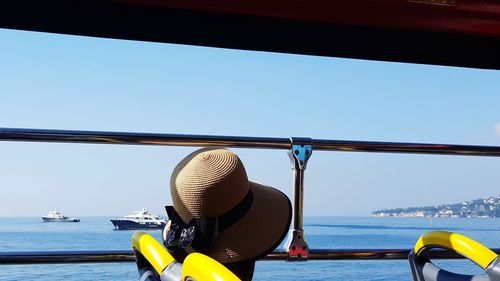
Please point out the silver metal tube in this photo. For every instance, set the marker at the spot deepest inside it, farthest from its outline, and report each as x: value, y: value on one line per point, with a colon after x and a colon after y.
x: 299, y: 155
x: 44, y: 257
x: 64, y: 136
x: 298, y: 199
x: 365, y: 254
x: 412, y: 148
x: 41, y: 257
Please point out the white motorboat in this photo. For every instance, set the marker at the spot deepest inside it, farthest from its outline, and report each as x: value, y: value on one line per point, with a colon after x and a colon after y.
x: 139, y: 220
x: 56, y: 216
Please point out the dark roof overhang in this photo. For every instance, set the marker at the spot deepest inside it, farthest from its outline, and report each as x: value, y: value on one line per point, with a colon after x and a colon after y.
x: 443, y: 32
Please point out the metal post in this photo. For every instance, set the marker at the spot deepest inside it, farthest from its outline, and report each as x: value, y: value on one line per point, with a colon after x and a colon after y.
x: 299, y: 154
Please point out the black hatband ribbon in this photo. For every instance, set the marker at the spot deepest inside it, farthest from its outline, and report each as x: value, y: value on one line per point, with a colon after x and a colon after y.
x: 200, y: 233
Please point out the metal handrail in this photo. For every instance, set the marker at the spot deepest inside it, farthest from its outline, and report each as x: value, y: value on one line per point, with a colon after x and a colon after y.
x: 119, y: 256
x: 70, y: 136
x: 95, y: 137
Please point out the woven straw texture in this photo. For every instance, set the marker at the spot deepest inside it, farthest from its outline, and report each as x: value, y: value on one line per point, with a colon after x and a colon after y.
x: 211, y: 181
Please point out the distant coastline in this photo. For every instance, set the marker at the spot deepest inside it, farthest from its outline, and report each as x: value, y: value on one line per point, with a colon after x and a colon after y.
x: 479, y: 208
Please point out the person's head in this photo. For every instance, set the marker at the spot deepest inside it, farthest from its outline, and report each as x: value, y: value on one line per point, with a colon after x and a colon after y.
x: 217, y: 211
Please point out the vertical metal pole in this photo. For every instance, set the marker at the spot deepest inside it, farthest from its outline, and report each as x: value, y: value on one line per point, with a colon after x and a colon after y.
x: 299, y: 155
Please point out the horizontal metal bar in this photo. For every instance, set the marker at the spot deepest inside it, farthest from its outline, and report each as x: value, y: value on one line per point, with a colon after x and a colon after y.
x: 41, y: 135
x: 413, y: 148
x: 42, y: 257
x: 46, y: 257
x: 366, y: 254
x: 65, y: 136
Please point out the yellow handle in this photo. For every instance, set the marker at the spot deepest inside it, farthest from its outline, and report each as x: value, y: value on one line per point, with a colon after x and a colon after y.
x: 461, y: 244
x: 152, y: 250
x: 201, y: 267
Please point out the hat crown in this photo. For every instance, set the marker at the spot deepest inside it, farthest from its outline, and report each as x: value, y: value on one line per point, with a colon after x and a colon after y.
x: 208, y: 183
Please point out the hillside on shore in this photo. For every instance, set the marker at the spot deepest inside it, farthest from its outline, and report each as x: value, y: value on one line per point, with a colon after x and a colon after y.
x: 479, y: 208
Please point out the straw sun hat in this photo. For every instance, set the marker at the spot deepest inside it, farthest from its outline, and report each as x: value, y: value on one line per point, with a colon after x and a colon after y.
x: 219, y: 212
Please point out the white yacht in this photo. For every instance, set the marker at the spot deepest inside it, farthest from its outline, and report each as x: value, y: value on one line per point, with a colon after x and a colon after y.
x: 56, y: 216
x: 139, y: 220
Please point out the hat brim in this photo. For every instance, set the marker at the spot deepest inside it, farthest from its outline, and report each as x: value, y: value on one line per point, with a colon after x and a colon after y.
x: 258, y: 232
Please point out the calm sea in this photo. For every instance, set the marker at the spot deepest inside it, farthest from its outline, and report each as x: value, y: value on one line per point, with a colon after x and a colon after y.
x: 96, y: 233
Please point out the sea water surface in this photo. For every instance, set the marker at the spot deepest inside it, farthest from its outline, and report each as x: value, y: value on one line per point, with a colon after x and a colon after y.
x: 97, y: 233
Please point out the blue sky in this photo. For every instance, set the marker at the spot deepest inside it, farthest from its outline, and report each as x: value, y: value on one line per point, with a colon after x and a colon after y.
x: 71, y: 82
